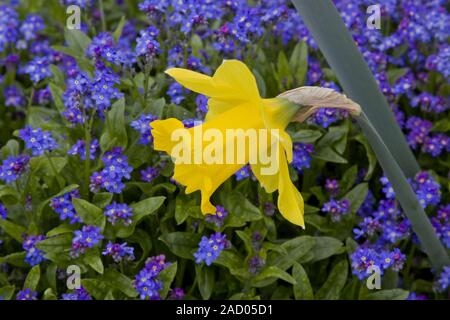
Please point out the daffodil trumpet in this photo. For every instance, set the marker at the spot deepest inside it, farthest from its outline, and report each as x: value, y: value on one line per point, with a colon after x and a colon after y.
x: 240, y: 127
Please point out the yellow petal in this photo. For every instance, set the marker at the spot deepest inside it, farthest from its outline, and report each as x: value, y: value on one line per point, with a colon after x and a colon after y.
x: 290, y: 201
x: 196, y: 82
x: 162, y: 133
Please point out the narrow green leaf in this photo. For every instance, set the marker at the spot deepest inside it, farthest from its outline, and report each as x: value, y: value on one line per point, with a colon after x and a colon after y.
x: 206, y: 281
x: 302, y: 288
x: 335, y: 282
x: 32, y: 279
x: 392, y: 294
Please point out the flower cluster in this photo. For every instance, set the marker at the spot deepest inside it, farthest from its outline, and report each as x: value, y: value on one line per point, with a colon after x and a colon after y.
x: 116, y: 169
x: 149, y: 174
x: 79, y: 148
x: 146, y: 282
x: 13, y: 167
x: 365, y: 260
x: 119, y: 252
x: 26, y: 294
x: 441, y: 224
x: 33, y: 256
x: 119, y: 212
x: 84, y: 93
x: 84, y: 239
x: 77, y: 294
x: 217, y: 218
x: 37, y: 140
x: 3, y: 211
x: 302, y: 156
x: 336, y: 208
x: 64, y: 207
x: 444, y: 279
x: 210, y: 248
x: 142, y: 125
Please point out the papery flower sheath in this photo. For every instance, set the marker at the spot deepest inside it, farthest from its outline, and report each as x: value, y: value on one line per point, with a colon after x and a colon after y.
x: 235, y: 103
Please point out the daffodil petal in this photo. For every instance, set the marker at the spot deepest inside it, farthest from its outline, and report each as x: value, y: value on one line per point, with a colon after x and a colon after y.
x: 290, y: 201
x: 162, y: 134
x: 196, y: 82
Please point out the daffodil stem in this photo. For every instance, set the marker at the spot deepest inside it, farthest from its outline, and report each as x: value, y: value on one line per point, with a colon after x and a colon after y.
x: 420, y: 223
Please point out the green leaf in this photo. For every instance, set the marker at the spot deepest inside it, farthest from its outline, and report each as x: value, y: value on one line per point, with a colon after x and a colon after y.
x: 11, y: 148
x: 140, y: 211
x: 32, y: 279
x: 298, y: 62
x: 302, y: 288
x: 120, y: 282
x: 295, y: 248
x: 240, y: 209
x: 118, y: 32
x: 57, y: 244
x: 325, y: 247
x: 89, y: 213
x: 16, y: 259
x: 229, y: 260
x: 62, y: 228
x: 335, y: 282
x: 306, y: 136
x: 49, y: 295
x: 42, y: 165
x: 369, y: 154
x: 329, y: 155
x: 77, y: 40
x: 102, y: 199
x: 115, y: 127
x: 57, y: 93
x: 206, y: 281
x: 94, y: 260
x: 95, y: 287
x: 166, y: 277
x: 13, y: 230
x: 182, y: 244
x: 7, y: 292
x: 348, y: 179
x: 356, y: 196
x: 392, y: 294
x: 269, y: 275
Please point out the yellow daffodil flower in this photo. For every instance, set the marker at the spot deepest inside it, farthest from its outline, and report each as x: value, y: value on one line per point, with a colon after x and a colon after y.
x: 234, y: 103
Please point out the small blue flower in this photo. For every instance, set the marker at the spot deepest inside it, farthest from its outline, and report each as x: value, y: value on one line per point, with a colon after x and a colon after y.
x: 443, y: 281
x: 31, y: 26
x: 64, y: 207
x: 13, y: 167
x: 146, y: 282
x: 27, y: 294
x: 77, y: 294
x: 142, y: 125
x: 3, y: 211
x: 218, y: 217
x: 119, y: 212
x: 119, y: 252
x: 33, y: 256
x: 38, y: 140
x: 302, y: 156
x: 79, y: 148
x: 38, y: 69
x: 84, y: 239
x: 336, y: 208
x: 210, y: 248
x: 149, y: 174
